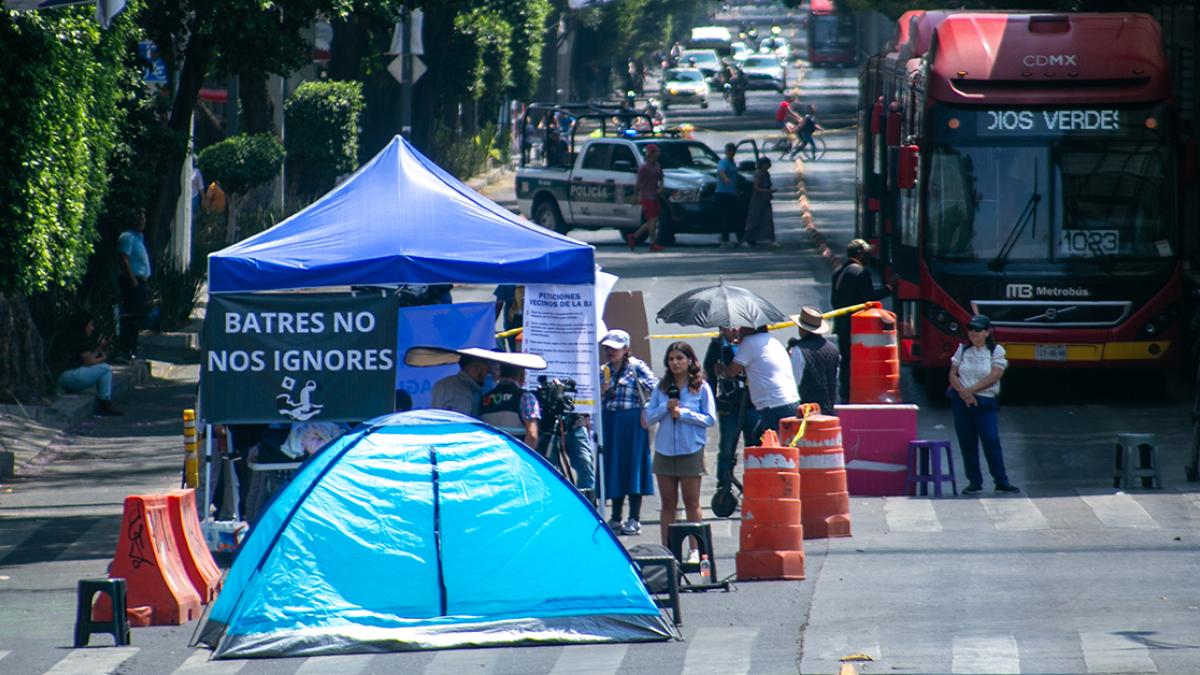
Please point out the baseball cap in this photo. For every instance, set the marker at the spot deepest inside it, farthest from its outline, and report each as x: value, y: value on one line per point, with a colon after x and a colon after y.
x: 979, y: 322
x: 617, y: 339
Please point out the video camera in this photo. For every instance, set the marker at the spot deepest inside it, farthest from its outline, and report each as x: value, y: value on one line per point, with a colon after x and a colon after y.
x: 556, y: 398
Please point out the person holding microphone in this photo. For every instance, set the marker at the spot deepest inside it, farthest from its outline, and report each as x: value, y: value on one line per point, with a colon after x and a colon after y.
x: 682, y: 405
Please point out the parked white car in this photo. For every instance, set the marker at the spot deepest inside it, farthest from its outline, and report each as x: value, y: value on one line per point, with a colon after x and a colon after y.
x: 683, y: 86
x: 764, y: 71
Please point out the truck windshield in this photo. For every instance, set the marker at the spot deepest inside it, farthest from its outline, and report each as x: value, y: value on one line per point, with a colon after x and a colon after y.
x: 1098, y: 200
x: 684, y: 156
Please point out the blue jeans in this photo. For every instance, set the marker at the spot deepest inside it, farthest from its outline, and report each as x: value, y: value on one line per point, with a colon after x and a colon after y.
x: 78, y: 379
x: 579, y: 454
x: 769, y: 418
x: 731, y: 425
x: 975, y: 424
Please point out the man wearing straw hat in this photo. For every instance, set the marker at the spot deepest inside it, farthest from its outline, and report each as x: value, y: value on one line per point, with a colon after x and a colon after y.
x: 814, y: 360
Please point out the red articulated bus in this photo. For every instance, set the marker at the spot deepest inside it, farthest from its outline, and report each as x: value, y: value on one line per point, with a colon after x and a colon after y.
x: 832, y: 35
x: 1023, y: 166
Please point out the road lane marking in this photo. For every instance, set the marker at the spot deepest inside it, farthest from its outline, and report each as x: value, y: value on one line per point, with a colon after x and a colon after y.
x: 596, y: 659
x: 4, y: 653
x: 92, y: 661
x: 1112, y: 653
x: 986, y: 655
x: 349, y: 664
x: 200, y: 664
x: 1014, y: 513
x: 911, y: 515
x: 721, y: 651
x: 1119, y: 510
x: 460, y: 661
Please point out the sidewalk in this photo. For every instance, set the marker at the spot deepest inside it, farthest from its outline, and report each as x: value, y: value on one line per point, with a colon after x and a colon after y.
x: 31, y: 432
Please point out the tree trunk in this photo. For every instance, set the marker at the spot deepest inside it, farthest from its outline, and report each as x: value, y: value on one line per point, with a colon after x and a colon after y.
x: 231, y: 218
x: 257, y: 113
x: 162, y: 205
x: 23, y: 373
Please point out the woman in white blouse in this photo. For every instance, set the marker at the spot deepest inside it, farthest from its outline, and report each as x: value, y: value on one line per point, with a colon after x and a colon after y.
x: 975, y: 372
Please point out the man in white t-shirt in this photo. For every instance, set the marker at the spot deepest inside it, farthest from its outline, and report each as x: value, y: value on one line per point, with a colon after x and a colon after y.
x: 768, y: 377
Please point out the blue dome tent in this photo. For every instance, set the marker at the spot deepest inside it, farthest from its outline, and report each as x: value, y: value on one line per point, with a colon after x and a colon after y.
x: 426, y: 530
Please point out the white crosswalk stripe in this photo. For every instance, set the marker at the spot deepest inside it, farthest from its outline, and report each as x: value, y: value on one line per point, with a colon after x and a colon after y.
x: 4, y: 653
x: 597, y: 659
x: 994, y: 654
x: 199, y: 664
x: 93, y: 661
x: 350, y: 664
x: 722, y: 651
x: 1114, y: 653
x: 1014, y: 513
x: 1119, y: 510
x: 911, y: 515
x: 460, y: 661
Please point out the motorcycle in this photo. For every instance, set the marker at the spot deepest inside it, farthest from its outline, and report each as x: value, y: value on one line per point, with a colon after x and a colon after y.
x: 737, y: 98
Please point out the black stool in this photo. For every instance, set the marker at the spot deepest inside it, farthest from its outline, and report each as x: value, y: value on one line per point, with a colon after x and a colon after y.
x: 118, y: 626
x: 671, y: 566
x: 678, y: 532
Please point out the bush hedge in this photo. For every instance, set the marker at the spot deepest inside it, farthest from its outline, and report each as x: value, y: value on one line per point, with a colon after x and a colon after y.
x: 322, y: 122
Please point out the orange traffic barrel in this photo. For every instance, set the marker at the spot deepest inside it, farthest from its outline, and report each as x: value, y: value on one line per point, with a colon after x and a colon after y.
x: 874, y: 357
x: 772, y: 533
x: 822, y: 468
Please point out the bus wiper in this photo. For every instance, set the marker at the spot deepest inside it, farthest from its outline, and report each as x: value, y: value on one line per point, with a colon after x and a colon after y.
x: 1029, y: 213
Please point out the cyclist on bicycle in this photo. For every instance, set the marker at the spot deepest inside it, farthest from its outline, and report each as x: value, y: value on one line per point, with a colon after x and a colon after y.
x: 808, y: 126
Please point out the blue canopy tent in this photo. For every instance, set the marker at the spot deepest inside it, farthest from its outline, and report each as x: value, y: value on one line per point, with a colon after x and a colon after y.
x: 427, y: 530
x: 400, y: 219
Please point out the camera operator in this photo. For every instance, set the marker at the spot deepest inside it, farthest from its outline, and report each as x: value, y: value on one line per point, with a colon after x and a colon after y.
x: 510, y: 407
x: 735, y: 415
x: 561, y: 430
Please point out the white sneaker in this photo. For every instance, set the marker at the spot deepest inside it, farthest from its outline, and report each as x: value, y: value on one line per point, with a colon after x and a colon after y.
x: 631, y: 527
x: 693, y: 556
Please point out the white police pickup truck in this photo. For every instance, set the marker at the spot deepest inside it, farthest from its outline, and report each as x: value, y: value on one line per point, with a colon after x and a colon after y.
x: 596, y: 189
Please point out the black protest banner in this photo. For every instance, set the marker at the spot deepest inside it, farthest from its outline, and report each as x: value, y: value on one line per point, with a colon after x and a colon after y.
x: 297, y: 357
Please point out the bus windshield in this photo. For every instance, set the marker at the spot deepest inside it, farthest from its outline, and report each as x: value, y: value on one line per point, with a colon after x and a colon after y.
x: 831, y: 32
x: 1087, y: 199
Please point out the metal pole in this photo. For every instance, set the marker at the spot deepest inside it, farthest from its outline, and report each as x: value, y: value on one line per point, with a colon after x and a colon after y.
x: 205, y: 500
x: 406, y: 73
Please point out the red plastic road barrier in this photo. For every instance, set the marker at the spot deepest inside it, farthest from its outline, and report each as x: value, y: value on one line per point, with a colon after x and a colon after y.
x: 772, y: 535
x: 822, y: 475
x: 202, y: 570
x: 150, y: 563
x: 874, y: 357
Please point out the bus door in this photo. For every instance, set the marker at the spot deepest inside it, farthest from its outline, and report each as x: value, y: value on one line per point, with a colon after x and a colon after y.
x: 592, y: 187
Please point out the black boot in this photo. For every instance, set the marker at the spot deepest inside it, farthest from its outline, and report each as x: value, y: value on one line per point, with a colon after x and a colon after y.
x: 105, y: 408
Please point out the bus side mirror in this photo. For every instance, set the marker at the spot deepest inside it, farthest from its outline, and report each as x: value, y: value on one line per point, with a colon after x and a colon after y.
x: 906, y: 172
x: 893, y: 128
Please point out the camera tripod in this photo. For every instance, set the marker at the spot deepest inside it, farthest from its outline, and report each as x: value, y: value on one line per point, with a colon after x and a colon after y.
x: 556, y: 448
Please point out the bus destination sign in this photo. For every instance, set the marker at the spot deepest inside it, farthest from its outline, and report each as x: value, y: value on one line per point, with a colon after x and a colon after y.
x: 1043, y: 123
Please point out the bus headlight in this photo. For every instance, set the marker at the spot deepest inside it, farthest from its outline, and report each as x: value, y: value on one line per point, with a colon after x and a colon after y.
x: 1159, y: 323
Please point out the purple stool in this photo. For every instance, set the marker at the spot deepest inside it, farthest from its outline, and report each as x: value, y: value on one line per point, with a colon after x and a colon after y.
x: 925, y: 466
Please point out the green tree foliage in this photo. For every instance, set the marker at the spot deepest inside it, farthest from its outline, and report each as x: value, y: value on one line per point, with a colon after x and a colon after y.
x: 63, y: 82
x: 202, y: 37
x: 242, y: 162
x: 528, y: 20
x: 322, y: 121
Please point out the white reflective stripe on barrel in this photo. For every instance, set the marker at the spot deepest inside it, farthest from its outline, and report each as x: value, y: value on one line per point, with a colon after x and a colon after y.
x: 824, y: 461
x: 771, y: 460
x: 874, y: 340
x: 835, y: 442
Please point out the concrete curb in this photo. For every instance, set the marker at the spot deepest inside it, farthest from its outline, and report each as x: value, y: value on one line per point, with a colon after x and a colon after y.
x: 489, y: 177
x: 29, y: 431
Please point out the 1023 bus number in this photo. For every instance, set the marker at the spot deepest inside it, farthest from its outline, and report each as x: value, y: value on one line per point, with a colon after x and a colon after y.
x: 1089, y: 242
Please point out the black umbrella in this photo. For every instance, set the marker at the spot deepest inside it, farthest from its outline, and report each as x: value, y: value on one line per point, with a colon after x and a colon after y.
x: 721, y: 306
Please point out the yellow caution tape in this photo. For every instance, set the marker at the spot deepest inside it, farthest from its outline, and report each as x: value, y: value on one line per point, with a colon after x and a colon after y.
x: 857, y: 657
x: 806, y: 409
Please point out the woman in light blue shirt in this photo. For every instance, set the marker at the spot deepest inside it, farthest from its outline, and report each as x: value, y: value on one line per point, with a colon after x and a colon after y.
x: 682, y: 406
